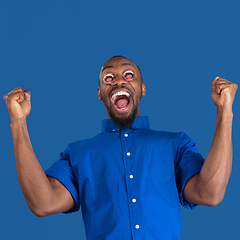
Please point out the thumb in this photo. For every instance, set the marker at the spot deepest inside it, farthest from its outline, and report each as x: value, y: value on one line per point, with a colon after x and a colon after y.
x: 27, y: 95
x: 214, y: 82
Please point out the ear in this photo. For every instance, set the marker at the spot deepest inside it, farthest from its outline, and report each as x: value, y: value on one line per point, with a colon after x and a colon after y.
x: 99, y: 93
x: 143, y: 89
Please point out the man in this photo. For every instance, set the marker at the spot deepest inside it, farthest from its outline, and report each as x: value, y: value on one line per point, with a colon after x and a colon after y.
x: 128, y: 179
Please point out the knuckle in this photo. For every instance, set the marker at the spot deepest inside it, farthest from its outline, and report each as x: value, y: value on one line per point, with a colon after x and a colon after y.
x: 19, y: 88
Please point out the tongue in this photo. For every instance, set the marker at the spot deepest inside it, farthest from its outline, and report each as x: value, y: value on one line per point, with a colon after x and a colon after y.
x: 122, y: 103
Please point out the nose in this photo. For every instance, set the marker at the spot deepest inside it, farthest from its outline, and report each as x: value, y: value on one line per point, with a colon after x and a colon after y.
x: 119, y: 80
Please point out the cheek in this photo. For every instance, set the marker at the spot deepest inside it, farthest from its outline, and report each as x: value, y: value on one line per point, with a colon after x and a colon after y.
x: 138, y: 89
x: 103, y: 91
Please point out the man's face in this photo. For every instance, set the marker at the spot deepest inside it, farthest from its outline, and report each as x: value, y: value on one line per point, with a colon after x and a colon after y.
x: 120, y: 89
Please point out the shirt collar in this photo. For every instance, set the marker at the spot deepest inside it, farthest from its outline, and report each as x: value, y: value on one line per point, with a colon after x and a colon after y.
x: 139, y: 122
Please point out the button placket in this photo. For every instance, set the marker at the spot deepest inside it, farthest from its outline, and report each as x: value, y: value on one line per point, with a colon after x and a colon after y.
x: 131, y: 184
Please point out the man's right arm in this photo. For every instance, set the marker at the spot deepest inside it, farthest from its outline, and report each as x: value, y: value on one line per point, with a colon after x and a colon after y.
x: 44, y: 195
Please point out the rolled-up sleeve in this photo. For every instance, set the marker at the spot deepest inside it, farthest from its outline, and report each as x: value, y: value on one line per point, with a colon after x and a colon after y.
x: 189, y: 163
x: 62, y: 170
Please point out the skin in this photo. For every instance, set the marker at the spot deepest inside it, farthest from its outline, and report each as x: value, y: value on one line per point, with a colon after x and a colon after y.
x: 45, y: 195
x: 117, y: 67
x: 209, y: 186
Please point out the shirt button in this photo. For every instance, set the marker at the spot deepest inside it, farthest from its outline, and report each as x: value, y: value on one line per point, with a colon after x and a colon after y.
x: 128, y: 153
x: 125, y: 135
x: 134, y: 200
x: 137, y: 226
x: 131, y: 176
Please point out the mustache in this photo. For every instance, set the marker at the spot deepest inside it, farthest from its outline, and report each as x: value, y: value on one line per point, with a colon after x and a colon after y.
x: 120, y: 87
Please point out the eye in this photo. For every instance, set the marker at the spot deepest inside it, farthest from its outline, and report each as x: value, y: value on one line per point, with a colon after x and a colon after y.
x: 108, y: 78
x: 128, y: 75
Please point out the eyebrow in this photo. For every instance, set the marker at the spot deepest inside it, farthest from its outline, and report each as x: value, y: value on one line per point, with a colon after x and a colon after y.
x: 122, y: 65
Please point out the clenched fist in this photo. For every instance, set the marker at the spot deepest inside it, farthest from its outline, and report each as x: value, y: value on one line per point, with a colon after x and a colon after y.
x: 223, y: 92
x: 18, y: 103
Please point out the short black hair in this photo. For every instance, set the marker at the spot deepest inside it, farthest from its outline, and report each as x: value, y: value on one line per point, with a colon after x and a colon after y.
x: 118, y: 56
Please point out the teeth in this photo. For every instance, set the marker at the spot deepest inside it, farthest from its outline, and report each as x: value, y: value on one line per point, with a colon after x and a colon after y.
x: 120, y: 94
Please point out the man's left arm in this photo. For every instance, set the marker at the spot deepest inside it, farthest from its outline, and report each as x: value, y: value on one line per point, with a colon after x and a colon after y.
x: 208, y: 187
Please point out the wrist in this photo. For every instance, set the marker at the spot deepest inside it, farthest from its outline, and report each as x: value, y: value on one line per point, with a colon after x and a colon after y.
x: 225, y: 112
x: 16, y: 123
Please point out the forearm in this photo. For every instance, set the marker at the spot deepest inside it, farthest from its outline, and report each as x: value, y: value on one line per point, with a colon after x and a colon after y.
x: 44, y: 195
x: 215, y: 173
x: 33, y: 181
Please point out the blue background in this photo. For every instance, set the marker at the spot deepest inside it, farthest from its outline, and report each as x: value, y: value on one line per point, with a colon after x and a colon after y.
x: 56, y: 49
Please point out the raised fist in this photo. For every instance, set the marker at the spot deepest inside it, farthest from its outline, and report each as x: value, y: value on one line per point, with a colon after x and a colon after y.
x: 223, y: 92
x: 18, y: 103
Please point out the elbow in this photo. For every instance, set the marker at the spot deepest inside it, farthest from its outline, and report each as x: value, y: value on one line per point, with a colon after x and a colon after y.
x: 214, y: 200
x: 39, y: 211
x: 210, y: 198
x: 40, y: 208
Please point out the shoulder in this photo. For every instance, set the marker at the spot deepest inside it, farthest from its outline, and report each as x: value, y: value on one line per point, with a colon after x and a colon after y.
x: 163, y: 134
x: 151, y: 138
x: 86, y: 143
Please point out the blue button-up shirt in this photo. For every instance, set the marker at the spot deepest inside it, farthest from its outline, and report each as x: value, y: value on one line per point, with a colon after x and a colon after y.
x: 129, y: 181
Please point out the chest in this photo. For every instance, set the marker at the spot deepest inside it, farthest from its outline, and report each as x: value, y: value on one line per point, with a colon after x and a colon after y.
x: 116, y: 156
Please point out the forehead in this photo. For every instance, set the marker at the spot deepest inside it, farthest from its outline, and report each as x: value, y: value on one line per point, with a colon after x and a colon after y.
x: 116, y: 62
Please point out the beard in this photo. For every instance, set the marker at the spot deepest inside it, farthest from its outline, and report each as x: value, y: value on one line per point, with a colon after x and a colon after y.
x: 124, y: 122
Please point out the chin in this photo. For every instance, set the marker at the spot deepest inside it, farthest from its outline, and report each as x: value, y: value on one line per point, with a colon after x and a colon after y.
x: 123, y: 120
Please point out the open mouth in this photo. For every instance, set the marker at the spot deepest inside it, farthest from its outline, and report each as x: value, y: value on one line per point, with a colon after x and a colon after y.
x: 121, y: 100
